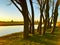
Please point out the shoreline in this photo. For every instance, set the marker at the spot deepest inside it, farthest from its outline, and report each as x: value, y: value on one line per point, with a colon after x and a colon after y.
x: 12, y: 34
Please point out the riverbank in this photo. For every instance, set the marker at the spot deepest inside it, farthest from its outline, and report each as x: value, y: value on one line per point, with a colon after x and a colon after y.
x: 17, y: 39
x: 12, y: 23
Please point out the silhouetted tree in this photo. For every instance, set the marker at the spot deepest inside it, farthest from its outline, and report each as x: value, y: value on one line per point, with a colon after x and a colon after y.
x: 32, y: 10
x: 55, y: 16
x: 41, y: 5
x: 46, y: 21
x: 24, y: 12
x: 51, y: 19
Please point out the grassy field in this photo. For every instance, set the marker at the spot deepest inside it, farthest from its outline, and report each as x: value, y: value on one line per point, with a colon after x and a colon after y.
x: 17, y: 39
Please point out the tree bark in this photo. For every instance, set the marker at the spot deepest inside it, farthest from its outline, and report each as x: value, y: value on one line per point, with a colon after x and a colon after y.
x: 32, y: 16
x: 46, y: 21
x: 55, y: 16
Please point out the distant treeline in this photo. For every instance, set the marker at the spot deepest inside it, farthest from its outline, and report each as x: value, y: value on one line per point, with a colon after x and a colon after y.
x: 8, y: 23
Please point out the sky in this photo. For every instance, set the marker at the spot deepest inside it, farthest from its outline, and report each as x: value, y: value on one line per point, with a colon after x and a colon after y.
x: 10, y: 12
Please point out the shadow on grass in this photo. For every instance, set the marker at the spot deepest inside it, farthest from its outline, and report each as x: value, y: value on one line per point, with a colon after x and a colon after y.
x: 47, y: 39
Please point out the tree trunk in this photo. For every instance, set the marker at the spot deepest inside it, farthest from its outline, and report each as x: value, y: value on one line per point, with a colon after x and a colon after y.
x: 40, y: 26
x: 42, y: 6
x: 32, y: 16
x: 45, y: 23
x: 26, y: 19
x: 47, y: 12
x: 26, y: 27
x: 55, y: 16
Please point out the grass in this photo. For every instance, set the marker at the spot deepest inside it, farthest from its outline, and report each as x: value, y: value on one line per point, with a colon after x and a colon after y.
x: 36, y: 39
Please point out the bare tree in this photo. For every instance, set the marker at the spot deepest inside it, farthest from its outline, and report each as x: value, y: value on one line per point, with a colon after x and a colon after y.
x: 46, y: 21
x: 55, y: 16
x: 24, y: 12
x: 32, y: 10
x: 42, y: 6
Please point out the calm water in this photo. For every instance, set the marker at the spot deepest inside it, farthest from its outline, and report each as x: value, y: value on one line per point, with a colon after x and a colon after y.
x: 4, y: 30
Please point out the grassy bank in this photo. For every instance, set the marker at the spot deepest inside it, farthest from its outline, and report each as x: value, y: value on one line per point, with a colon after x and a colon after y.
x: 17, y: 39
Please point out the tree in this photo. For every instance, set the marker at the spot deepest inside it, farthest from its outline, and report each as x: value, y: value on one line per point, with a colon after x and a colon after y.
x: 24, y: 12
x: 42, y: 6
x: 51, y: 19
x: 46, y: 21
x: 32, y: 10
x: 55, y: 16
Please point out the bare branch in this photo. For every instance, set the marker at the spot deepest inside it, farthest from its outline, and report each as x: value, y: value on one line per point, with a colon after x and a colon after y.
x: 16, y: 6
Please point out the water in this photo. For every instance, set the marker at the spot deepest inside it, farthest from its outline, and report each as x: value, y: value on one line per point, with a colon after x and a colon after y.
x: 4, y: 30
